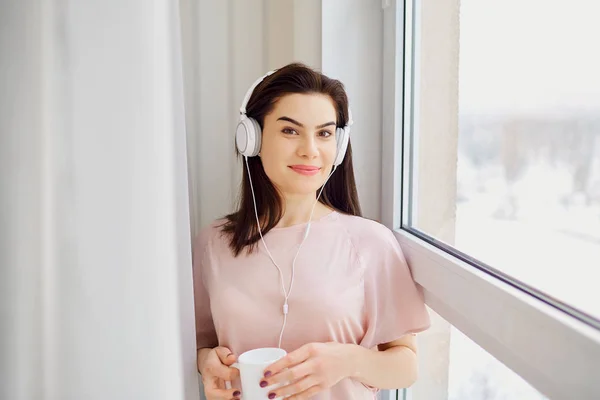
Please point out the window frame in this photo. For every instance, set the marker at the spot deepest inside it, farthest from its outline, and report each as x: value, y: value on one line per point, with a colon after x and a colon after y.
x: 548, y: 343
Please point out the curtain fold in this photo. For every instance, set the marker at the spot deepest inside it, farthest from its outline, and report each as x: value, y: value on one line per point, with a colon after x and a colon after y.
x: 95, y: 266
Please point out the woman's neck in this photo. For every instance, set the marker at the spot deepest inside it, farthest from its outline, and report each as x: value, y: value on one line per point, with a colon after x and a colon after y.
x: 297, y: 210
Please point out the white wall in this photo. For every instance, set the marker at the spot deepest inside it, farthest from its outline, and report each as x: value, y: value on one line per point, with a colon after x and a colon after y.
x: 352, y: 45
x: 96, y: 284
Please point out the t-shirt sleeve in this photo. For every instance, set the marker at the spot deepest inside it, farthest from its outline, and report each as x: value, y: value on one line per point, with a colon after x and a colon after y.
x: 394, y: 303
x: 206, y: 335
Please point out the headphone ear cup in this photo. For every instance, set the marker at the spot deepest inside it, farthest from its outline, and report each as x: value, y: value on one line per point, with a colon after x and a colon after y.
x: 248, y: 137
x: 343, y: 137
x: 257, y: 137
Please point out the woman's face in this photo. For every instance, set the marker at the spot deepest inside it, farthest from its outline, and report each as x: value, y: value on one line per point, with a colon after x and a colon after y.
x: 298, y: 143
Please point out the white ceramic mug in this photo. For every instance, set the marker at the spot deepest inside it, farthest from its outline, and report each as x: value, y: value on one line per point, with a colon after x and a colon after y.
x: 251, y: 365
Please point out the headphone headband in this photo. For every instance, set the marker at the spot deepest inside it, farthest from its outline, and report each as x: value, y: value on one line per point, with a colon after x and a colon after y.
x: 251, y: 89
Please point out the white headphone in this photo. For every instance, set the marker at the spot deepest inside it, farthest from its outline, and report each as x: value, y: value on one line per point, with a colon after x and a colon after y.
x: 248, y: 140
x: 248, y: 134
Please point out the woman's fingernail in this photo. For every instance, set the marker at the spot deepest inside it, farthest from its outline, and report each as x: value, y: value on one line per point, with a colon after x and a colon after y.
x: 236, y: 393
x: 263, y: 383
x: 267, y: 374
x: 271, y: 395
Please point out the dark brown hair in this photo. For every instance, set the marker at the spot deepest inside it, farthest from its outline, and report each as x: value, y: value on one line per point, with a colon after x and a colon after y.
x: 339, y: 192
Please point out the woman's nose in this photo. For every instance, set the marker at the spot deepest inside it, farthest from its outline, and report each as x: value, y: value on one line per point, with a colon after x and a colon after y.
x: 308, y: 147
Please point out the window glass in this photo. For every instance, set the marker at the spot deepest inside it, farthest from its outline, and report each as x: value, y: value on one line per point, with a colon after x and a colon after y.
x: 503, y: 107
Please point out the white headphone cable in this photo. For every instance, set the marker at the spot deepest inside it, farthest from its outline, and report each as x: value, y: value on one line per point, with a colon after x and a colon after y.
x: 285, y: 293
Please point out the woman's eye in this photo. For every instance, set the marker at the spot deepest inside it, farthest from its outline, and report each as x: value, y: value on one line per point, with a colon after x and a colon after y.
x: 325, y: 134
x: 289, y: 131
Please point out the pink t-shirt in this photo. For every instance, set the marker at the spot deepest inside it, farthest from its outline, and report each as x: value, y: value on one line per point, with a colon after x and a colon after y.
x: 352, y: 285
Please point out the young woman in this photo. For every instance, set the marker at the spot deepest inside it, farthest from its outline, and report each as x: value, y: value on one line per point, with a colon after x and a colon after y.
x: 296, y: 266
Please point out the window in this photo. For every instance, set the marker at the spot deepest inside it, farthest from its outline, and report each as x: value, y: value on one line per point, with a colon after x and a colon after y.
x: 481, y: 376
x: 491, y: 172
x: 465, y: 371
x: 509, y: 117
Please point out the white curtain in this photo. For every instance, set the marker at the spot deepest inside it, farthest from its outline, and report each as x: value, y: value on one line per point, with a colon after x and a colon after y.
x: 95, y: 277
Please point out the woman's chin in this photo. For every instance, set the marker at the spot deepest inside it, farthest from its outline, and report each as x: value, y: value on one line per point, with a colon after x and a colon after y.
x: 302, y: 190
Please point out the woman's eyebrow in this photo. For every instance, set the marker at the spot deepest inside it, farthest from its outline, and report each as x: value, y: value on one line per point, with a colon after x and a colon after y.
x: 326, y: 124
x: 288, y: 119
x: 293, y: 121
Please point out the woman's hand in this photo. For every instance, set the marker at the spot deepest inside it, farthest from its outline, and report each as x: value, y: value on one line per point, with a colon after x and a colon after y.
x: 215, y: 370
x: 309, y: 370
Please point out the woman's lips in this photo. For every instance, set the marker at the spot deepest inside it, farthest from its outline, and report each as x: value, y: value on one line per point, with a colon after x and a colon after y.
x: 308, y: 170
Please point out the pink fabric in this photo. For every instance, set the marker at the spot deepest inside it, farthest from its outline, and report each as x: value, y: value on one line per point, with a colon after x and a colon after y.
x: 352, y: 285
